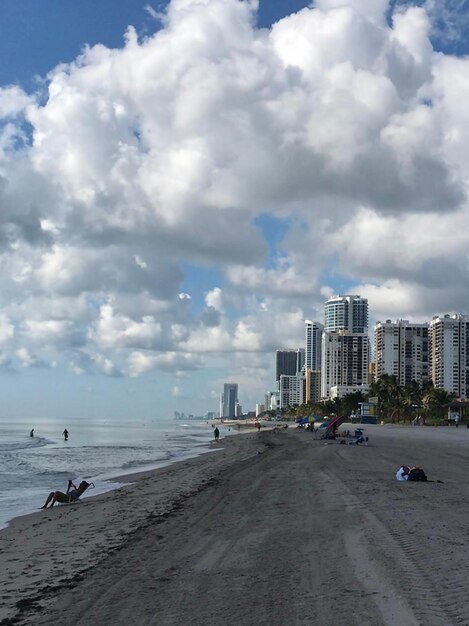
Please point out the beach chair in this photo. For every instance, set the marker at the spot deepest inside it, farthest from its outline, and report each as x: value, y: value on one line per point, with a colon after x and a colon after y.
x: 75, y: 493
x: 359, y: 437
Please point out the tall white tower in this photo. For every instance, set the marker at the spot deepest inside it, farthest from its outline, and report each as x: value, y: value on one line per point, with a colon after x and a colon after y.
x: 345, y: 358
x: 345, y: 351
x: 402, y: 350
x: 313, y: 335
x: 346, y: 313
x: 449, y: 353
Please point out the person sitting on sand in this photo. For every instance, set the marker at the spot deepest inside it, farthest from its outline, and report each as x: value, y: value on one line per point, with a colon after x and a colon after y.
x: 72, y: 495
x: 403, y: 472
x: 417, y: 474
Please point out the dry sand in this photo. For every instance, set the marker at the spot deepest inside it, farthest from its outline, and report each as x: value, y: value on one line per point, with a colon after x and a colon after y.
x: 273, y: 529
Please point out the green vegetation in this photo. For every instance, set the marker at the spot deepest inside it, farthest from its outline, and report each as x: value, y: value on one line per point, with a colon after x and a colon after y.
x: 395, y: 403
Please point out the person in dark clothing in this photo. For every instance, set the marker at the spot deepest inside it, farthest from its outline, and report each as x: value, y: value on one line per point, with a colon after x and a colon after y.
x: 417, y: 474
x: 216, y: 433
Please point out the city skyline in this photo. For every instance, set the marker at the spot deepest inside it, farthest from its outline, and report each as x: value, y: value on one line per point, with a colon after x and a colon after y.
x: 435, y: 351
x: 185, y: 182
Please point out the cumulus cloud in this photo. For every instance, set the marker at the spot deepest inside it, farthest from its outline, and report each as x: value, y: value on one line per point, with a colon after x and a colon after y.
x: 146, y: 167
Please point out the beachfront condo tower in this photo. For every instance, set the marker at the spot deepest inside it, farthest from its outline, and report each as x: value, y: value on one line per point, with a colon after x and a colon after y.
x: 345, y: 358
x: 346, y: 313
x: 230, y: 400
x: 402, y: 350
x: 312, y: 369
x: 345, y: 348
x: 291, y: 390
x: 313, y: 335
x: 449, y: 337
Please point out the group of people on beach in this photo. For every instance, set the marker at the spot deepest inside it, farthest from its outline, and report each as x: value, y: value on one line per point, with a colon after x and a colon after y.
x: 413, y: 474
x: 65, y: 433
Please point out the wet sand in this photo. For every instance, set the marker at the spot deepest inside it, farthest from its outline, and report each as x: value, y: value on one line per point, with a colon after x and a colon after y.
x: 280, y: 529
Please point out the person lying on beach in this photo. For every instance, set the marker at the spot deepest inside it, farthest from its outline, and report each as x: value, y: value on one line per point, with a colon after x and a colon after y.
x: 72, y: 494
x: 416, y: 474
x: 403, y: 472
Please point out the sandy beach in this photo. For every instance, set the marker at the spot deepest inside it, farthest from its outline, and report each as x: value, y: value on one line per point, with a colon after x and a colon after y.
x: 280, y: 529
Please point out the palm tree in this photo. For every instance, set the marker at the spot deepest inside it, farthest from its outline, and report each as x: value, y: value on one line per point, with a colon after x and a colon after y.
x: 350, y: 402
x: 436, y: 401
x: 412, y: 396
x: 389, y: 395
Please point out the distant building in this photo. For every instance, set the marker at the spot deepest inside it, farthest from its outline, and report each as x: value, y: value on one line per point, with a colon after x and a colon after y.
x: 230, y: 400
x: 291, y: 390
x: 260, y: 409
x: 340, y: 391
x: 402, y: 350
x: 345, y: 346
x: 286, y: 363
x: 300, y: 360
x: 450, y: 353
x: 271, y: 400
x: 345, y: 358
x: 346, y: 313
x: 312, y: 385
x: 313, y: 335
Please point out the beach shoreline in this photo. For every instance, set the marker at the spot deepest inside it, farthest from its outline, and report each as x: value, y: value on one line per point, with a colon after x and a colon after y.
x: 26, y: 538
x: 279, y: 528
x: 51, y: 464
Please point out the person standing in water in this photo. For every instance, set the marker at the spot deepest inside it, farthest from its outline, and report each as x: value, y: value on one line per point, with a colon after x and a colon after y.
x: 216, y: 433
x: 31, y: 434
x: 65, y: 434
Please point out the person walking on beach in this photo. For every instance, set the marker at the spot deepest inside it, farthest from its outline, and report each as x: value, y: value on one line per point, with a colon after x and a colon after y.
x: 216, y: 433
x: 65, y: 434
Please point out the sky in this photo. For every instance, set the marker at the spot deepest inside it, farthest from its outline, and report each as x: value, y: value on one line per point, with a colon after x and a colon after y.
x: 183, y: 183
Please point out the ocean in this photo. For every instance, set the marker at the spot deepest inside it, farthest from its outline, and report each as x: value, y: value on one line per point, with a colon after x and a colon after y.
x: 97, y: 451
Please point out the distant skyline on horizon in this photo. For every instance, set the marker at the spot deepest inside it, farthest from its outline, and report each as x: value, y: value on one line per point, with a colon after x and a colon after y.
x: 184, y: 182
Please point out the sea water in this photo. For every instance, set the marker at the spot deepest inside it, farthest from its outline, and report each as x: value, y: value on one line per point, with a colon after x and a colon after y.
x: 96, y: 451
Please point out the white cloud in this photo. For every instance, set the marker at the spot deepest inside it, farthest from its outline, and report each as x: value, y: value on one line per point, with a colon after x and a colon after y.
x: 173, y: 362
x: 7, y: 329
x: 118, y: 331
x: 129, y: 232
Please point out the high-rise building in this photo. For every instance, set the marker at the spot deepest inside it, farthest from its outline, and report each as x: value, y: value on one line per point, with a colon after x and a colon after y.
x: 312, y: 385
x: 313, y: 335
x: 345, y: 349
x: 346, y: 313
x: 402, y: 350
x: 286, y: 363
x: 271, y: 400
x: 230, y: 400
x: 300, y: 360
x: 450, y: 353
x: 291, y: 390
x: 345, y: 358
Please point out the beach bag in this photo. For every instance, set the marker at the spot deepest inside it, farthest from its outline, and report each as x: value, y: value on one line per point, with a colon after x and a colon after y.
x: 417, y: 474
